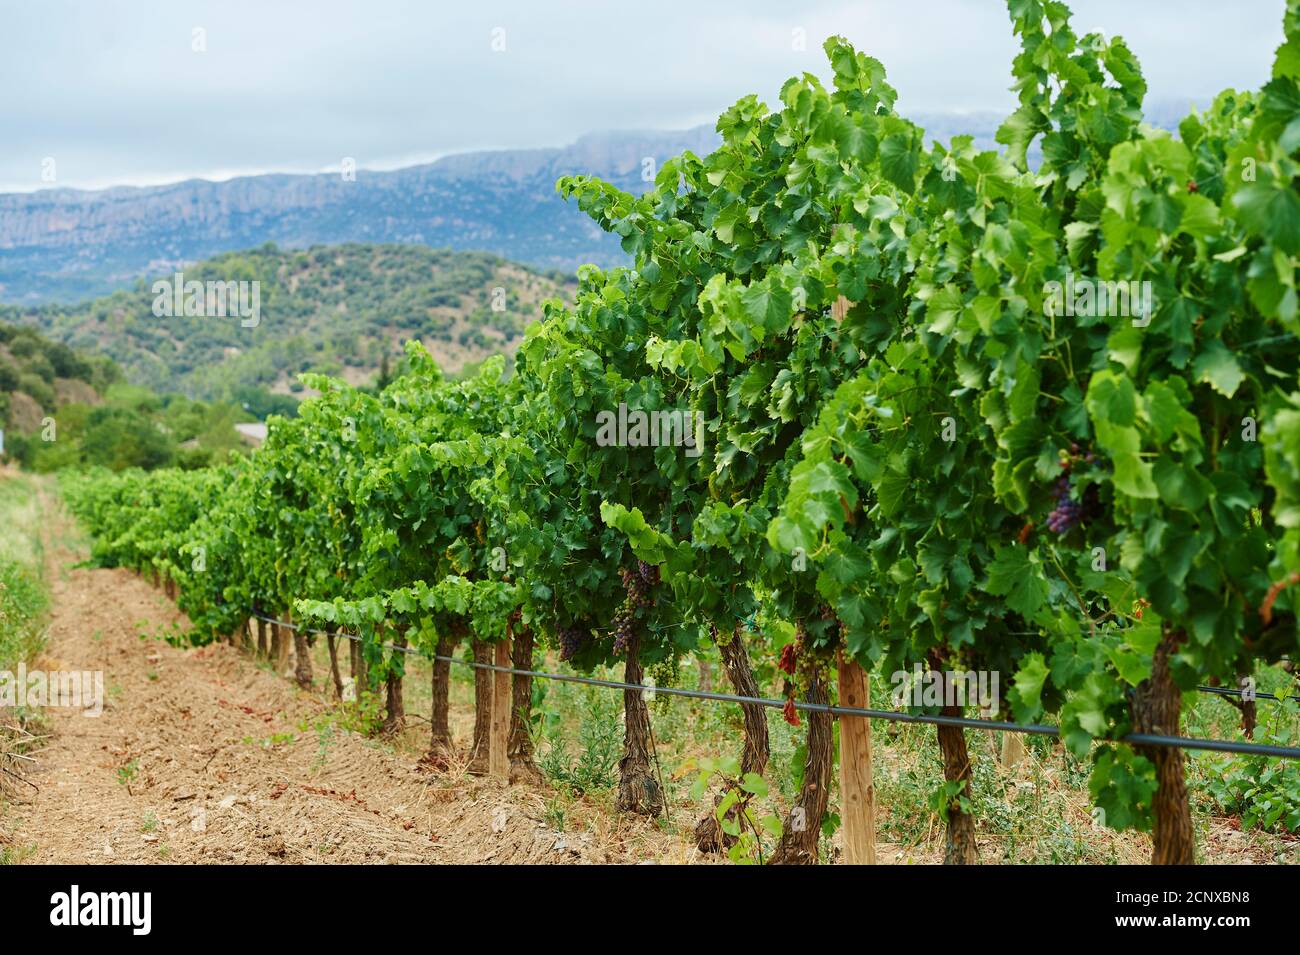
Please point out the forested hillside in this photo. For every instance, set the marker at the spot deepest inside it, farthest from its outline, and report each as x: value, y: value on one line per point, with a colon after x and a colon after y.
x: 37, y: 376
x: 62, y: 407
x: 339, y: 310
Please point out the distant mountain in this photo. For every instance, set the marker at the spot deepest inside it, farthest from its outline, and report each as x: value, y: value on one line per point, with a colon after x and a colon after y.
x: 65, y: 245
x: 341, y: 310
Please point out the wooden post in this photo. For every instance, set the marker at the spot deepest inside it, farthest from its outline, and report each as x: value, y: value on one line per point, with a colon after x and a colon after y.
x: 499, y: 731
x: 857, y: 791
x: 286, y: 640
x: 1013, y: 750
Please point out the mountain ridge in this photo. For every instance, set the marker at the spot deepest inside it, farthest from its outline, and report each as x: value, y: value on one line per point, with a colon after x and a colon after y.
x: 65, y: 245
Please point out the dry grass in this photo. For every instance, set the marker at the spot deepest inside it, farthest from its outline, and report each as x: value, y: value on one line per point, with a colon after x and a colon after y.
x: 16, y: 744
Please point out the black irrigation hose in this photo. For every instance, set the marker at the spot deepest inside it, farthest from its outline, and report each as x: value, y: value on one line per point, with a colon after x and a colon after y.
x: 1229, y: 691
x: 1035, y: 729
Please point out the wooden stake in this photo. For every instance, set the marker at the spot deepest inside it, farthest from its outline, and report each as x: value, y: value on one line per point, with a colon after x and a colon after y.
x: 499, y: 731
x: 282, y: 648
x: 1013, y: 750
x: 857, y: 791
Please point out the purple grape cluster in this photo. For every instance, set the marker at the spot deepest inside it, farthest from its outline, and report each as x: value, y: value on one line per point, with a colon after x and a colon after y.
x: 649, y: 573
x: 1067, y: 512
x: 637, y: 584
x: 572, y: 640
x: 637, y: 587
x: 624, y: 621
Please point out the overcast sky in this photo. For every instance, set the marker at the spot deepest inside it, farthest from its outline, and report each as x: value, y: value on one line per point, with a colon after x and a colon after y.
x: 115, y: 93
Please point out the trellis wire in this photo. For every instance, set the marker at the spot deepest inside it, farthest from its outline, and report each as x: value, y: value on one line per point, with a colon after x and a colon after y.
x: 1230, y: 691
x: 1033, y: 729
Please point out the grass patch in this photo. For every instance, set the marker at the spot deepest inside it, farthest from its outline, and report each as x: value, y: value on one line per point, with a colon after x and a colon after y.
x: 24, y: 597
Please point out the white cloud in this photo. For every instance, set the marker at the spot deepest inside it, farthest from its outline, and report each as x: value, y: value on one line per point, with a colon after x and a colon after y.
x: 114, y: 92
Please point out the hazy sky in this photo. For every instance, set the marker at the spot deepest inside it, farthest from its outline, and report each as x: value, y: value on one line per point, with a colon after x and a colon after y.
x: 115, y: 92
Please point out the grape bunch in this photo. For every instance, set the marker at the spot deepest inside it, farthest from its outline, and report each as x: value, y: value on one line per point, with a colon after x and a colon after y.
x: 649, y: 573
x: 637, y: 584
x: 572, y: 640
x: 624, y: 620
x: 1067, y: 512
x: 666, y: 672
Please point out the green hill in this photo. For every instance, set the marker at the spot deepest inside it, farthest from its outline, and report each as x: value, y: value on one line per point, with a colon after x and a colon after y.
x: 39, y: 376
x: 338, y: 310
x: 61, y: 407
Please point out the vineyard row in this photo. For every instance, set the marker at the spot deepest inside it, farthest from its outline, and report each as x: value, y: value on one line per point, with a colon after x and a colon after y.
x: 909, y: 452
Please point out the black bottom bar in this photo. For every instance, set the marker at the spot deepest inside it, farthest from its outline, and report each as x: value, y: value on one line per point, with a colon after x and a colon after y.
x: 338, y: 904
